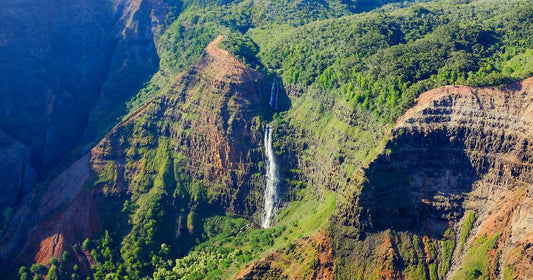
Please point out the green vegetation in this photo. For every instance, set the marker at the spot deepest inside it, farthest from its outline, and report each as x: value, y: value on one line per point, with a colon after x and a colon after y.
x: 23, y: 273
x: 417, y: 257
x: 416, y: 272
x: 56, y: 269
x: 468, y: 222
x: 52, y: 273
x: 477, y: 263
x: 163, y: 199
x: 349, y: 77
x: 448, y: 245
x: 344, y: 81
x: 38, y: 268
x: 233, y: 242
x: 384, y: 60
x: 508, y: 273
x: 358, y: 72
x: 243, y: 48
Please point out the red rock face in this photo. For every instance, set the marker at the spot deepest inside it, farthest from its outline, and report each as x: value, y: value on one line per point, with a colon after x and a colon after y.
x: 210, y: 117
x: 223, y: 139
x: 458, y: 149
x: 75, y: 223
x: 211, y: 114
x: 66, y: 214
x: 496, y: 129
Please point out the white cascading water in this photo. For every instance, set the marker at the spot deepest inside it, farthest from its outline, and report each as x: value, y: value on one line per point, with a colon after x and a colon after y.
x: 276, y: 99
x: 274, y: 96
x: 272, y: 180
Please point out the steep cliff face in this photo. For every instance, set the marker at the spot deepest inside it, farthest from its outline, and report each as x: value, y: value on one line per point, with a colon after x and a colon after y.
x: 66, y: 60
x: 67, y: 69
x: 134, y: 59
x: 189, y: 153
x: 459, y: 150
x: 210, y: 115
x: 18, y: 177
x: 47, y: 224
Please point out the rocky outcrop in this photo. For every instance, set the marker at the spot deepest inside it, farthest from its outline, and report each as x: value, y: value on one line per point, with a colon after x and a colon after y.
x: 458, y: 149
x: 204, y: 131
x: 210, y: 113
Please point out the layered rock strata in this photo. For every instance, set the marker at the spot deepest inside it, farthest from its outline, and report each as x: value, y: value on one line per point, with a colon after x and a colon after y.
x: 205, y: 127
x: 458, y: 149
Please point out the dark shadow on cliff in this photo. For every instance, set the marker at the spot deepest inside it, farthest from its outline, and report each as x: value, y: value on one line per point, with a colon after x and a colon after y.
x: 284, y: 101
x: 275, y: 105
x: 417, y: 185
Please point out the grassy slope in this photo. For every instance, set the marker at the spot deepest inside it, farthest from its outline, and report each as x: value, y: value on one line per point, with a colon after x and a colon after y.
x: 232, y: 243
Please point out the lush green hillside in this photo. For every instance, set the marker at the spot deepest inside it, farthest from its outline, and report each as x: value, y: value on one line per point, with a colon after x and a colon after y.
x: 346, y: 77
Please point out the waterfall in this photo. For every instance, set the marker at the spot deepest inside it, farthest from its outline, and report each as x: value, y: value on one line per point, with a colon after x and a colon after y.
x: 272, y: 94
x: 276, y: 100
x: 274, y: 97
x: 272, y: 180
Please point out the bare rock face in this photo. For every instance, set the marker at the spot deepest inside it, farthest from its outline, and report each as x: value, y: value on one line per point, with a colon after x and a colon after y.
x: 64, y: 63
x: 494, y: 129
x: 458, y: 149
x: 46, y: 225
x: 18, y: 177
x: 210, y: 113
x: 205, y: 128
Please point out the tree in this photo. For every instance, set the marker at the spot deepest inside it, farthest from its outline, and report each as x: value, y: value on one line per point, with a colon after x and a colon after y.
x: 53, y: 261
x: 38, y: 268
x: 65, y: 257
x: 52, y: 273
x: 23, y: 273
x: 86, y: 243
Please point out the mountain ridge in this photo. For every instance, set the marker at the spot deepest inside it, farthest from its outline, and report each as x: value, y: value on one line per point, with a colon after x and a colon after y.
x: 76, y: 213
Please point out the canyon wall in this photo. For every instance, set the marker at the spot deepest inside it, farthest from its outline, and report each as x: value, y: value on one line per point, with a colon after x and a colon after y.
x: 193, y: 149
x: 66, y: 66
x: 17, y: 175
x: 458, y: 150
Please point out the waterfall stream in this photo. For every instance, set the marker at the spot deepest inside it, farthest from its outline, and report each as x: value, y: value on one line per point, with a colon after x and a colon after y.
x: 272, y: 180
x: 274, y: 97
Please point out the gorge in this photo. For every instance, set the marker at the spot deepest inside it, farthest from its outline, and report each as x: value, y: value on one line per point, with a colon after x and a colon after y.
x: 265, y: 139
